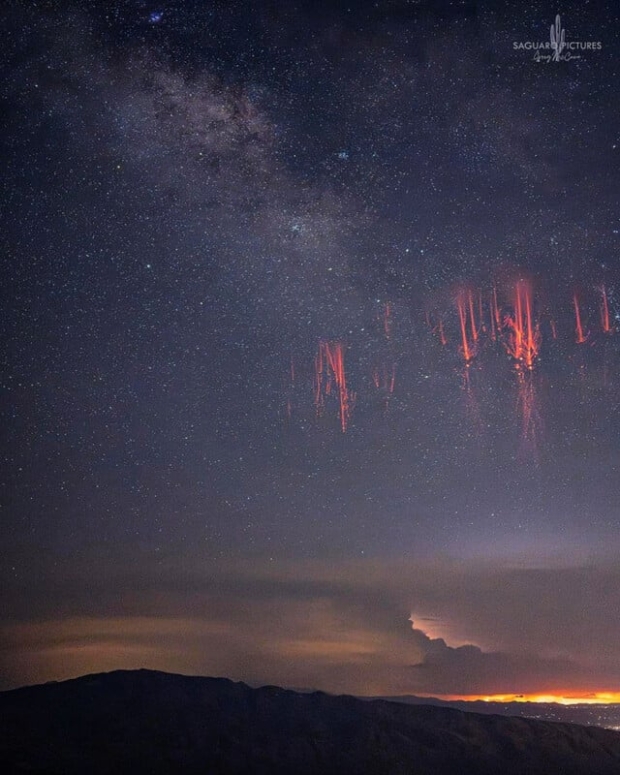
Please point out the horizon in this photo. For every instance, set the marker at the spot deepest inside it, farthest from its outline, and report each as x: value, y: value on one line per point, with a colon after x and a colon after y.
x: 602, y: 699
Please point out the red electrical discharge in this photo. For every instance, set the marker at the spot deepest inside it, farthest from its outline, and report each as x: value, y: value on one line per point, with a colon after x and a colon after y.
x: 581, y: 337
x: 605, y: 323
x: 329, y: 373
x: 464, y: 302
x: 522, y: 340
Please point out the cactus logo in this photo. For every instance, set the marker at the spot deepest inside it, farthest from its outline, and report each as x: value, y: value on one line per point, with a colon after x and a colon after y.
x: 558, y: 39
x: 557, y: 48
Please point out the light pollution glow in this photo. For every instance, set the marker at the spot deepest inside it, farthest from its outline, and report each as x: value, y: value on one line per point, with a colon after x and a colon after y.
x: 588, y: 698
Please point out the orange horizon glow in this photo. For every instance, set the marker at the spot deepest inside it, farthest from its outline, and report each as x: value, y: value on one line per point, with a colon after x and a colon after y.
x: 559, y: 698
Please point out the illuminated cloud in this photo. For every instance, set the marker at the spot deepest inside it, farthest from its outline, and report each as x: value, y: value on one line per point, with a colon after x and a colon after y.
x: 468, y: 670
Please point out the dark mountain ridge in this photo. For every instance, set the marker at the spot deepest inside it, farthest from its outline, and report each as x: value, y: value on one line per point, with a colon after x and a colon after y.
x: 142, y: 722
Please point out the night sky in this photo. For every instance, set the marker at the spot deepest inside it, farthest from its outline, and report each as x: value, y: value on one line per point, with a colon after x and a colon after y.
x: 203, y: 200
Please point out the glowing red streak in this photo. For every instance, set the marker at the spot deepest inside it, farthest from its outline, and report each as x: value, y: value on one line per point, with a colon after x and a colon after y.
x: 532, y: 336
x: 554, y: 330
x: 466, y: 348
x: 581, y: 338
x: 472, y: 317
x: 387, y: 320
x: 605, y: 324
x: 384, y: 379
x: 330, y: 371
x: 442, y: 336
x: 496, y: 312
x: 514, y: 339
x: 439, y: 330
x: 523, y: 339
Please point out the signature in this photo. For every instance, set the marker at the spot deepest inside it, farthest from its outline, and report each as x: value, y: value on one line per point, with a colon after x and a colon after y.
x: 555, y: 57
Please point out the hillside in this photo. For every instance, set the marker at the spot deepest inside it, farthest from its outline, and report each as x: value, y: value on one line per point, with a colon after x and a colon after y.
x: 148, y: 722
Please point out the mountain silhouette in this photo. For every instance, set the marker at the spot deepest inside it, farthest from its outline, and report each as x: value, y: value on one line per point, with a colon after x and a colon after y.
x: 143, y: 722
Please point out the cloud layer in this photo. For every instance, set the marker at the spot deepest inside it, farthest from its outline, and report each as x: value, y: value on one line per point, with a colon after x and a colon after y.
x: 343, y: 627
